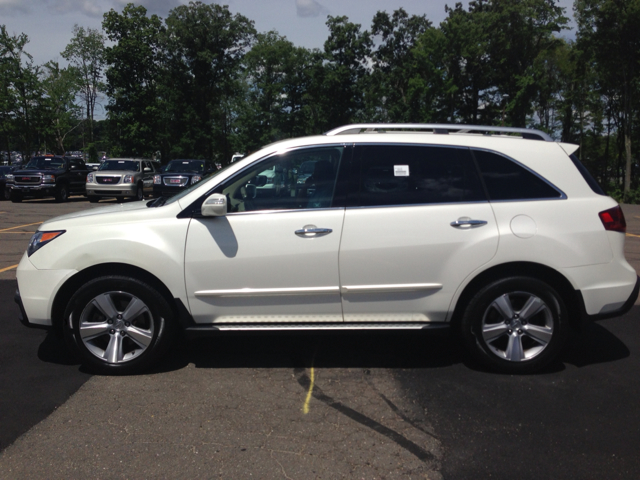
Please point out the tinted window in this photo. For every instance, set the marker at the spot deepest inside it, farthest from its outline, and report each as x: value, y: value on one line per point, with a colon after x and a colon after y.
x: 45, y: 163
x: 592, y: 182
x: 280, y: 183
x: 506, y: 180
x: 409, y: 175
x: 127, y: 165
x: 185, y: 166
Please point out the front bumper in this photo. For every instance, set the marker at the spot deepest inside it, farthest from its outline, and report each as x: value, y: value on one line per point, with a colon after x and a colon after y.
x: 118, y: 190
x: 167, y: 190
x: 37, y: 290
x: 48, y: 189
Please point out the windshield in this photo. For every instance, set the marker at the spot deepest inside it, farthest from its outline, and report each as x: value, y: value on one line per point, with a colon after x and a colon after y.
x: 45, y: 163
x: 167, y: 201
x: 128, y: 165
x: 185, y: 166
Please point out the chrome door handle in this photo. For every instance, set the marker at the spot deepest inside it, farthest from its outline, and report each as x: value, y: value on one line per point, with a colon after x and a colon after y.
x: 468, y: 223
x: 312, y: 231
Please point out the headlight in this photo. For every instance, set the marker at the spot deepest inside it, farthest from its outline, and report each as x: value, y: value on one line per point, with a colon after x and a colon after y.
x: 9, y: 177
x: 48, y: 179
x: 128, y: 179
x: 90, y: 178
x: 40, y: 239
x: 157, y: 179
x: 195, y: 179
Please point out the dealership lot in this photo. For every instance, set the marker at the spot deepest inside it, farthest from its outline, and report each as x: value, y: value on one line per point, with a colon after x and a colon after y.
x: 313, y: 406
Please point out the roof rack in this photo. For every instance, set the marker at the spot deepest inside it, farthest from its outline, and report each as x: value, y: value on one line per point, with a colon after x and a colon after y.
x: 442, y: 129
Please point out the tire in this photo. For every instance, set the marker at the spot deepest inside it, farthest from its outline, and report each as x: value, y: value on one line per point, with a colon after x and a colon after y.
x: 6, y: 194
x: 16, y: 197
x: 515, y: 325
x: 118, y: 324
x: 93, y: 198
x: 139, y: 193
x: 62, y: 193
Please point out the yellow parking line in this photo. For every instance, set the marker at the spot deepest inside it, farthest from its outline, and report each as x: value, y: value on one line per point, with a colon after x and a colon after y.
x: 632, y: 235
x: 8, y: 268
x: 19, y: 233
x: 20, y: 226
x: 305, y: 407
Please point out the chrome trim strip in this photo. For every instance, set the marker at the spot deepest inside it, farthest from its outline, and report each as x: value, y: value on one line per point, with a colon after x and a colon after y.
x: 407, y: 287
x: 320, y: 326
x: 241, y: 292
x: 437, y: 128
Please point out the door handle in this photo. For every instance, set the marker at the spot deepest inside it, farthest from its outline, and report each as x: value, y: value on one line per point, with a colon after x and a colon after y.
x: 312, y: 231
x: 468, y: 223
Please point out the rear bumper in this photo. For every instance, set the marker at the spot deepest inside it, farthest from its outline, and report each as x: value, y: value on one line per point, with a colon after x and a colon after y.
x: 615, y: 310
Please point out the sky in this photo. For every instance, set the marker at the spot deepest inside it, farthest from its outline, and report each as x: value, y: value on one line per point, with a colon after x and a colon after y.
x: 49, y: 23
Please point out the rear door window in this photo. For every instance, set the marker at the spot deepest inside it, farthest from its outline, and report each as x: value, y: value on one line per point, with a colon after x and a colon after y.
x: 413, y: 175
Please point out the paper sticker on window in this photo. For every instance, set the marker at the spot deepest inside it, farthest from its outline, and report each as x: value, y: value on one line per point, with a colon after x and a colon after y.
x: 401, y: 170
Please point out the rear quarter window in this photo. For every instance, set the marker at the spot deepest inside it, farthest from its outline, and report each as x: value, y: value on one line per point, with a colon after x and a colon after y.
x: 507, y: 180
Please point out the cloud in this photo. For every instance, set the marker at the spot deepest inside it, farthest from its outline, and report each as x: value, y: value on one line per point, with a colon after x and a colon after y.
x: 158, y: 7
x: 91, y: 8
x: 14, y: 7
x: 309, y: 8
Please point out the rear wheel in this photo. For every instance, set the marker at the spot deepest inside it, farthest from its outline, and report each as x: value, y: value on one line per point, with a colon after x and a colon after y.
x: 119, y: 324
x: 515, y: 325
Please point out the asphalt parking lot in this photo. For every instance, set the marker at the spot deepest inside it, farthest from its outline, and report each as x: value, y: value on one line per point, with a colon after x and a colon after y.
x: 313, y: 406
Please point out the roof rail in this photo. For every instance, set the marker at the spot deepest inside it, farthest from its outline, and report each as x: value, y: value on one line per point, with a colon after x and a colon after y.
x: 437, y: 128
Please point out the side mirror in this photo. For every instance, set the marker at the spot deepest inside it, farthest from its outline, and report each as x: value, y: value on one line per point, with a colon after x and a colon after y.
x: 214, y: 206
x: 147, y: 169
x: 260, y: 180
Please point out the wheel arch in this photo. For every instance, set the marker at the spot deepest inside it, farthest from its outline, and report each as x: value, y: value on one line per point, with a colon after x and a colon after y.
x: 528, y: 269
x: 75, y: 282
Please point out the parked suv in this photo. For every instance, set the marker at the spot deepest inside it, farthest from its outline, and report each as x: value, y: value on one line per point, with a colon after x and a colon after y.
x: 47, y: 176
x: 122, y: 178
x: 179, y: 174
x: 497, y: 233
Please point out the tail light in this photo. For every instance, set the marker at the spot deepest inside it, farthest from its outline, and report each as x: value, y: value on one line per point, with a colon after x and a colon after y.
x: 613, y: 219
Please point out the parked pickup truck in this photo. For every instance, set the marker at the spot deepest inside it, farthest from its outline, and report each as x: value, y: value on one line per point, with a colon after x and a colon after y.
x: 48, y: 176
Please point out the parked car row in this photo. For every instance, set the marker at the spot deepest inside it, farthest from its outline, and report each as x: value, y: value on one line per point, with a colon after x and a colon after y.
x: 120, y: 178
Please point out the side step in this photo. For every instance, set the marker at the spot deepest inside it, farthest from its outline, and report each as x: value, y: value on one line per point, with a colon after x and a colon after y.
x: 204, y: 330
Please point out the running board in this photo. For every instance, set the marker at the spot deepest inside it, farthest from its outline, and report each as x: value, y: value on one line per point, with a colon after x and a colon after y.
x: 203, y: 330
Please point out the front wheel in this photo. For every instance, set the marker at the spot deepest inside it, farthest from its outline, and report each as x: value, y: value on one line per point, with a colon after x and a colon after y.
x: 93, y: 198
x: 6, y: 194
x: 62, y: 193
x: 118, y: 324
x: 139, y: 193
x: 15, y: 197
x: 515, y: 325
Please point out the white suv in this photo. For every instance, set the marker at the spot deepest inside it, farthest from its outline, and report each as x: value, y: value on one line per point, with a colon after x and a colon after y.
x: 499, y: 233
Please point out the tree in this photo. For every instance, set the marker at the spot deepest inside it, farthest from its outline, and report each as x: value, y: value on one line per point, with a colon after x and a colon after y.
x: 347, y: 51
x: 134, y: 67
x: 394, y: 66
x: 86, y: 53
x: 205, y: 45
x: 61, y: 114
x: 609, y: 30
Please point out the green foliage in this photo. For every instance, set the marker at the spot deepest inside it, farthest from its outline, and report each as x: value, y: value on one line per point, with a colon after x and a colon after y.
x: 202, y: 83
x: 92, y: 153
